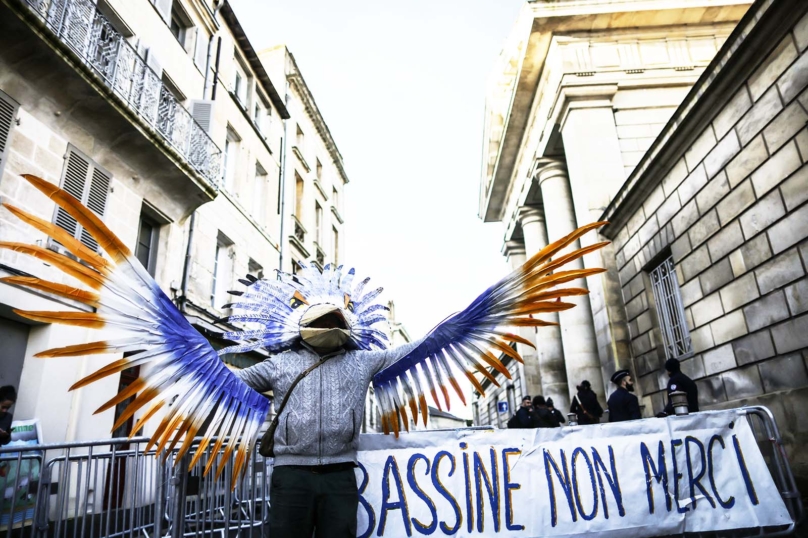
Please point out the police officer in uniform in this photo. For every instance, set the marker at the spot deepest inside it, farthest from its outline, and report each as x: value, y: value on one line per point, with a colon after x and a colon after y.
x: 679, y: 382
x: 623, y: 405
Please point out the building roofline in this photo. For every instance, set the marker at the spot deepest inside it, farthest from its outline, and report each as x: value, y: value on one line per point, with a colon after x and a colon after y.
x: 529, y: 45
x: 246, y: 47
x: 434, y: 412
x: 756, y: 35
x: 296, y: 77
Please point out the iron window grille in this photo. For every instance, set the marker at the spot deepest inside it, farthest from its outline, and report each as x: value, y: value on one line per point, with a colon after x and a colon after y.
x: 670, y: 311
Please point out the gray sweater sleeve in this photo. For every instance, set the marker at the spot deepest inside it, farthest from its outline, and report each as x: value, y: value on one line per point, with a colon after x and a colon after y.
x: 380, y: 360
x: 258, y: 377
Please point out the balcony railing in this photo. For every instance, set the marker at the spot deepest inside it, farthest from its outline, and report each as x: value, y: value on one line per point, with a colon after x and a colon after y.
x: 80, y: 26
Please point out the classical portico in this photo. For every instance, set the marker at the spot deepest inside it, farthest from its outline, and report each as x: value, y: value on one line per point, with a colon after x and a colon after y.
x: 581, y: 91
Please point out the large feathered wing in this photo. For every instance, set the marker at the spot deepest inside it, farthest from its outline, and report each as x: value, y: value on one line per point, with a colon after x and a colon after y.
x: 185, y: 377
x: 473, y: 339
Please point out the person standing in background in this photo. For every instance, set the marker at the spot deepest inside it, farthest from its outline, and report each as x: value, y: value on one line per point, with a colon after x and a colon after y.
x: 585, y: 404
x: 559, y: 416
x: 679, y: 382
x: 524, y: 415
x: 543, y: 417
x: 622, y: 404
x: 8, y: 397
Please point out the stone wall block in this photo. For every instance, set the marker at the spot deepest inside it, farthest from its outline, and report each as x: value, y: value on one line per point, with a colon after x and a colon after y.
x: 21, y: 144
x: 802, y: 137
x: 704, y: 228
x: 729, y: 327
x: 732, y: 112
x: 700, y: 148
x: 691, y: 292
x: 785, y: 126
x: 693, y: 368
x: 801, y: 33
x: 702, y: 339
x: 716, y: 189
x: 752, y: 156
x: 694, y: 264
x: 716, y: 276
x: 784, y: 373
x: 792, y: 82
x: 779, y: 166
x: 675, y: 177
x: 780, y: 271
x: 685, y: 218
x: 761, y: 215
x: 711, y: 390
x: 636, y: 306
x: 755, y: 252
x: 636, y: 220
x: 692, y: 184
x: 707, y: 310
x: 791, y: 335
x: 668, y: 209
x: 725, y: 241
x: 743, y: 383
x: 721, y: 154
x: 766, y: 311
x: 719, y: 359
x: 789, y: 231
x: 797, y: 297
x: 735, y: 202
x: 653, y: 201
x: 766, y: 108
x: 795, y: 188
x: 754, y: 347
x: 772, y: 67
x: 740, y: 292
x: 680, y: 248
x: 648, y: 230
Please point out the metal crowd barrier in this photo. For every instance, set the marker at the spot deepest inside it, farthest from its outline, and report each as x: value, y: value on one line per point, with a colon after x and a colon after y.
x: 115, y: 488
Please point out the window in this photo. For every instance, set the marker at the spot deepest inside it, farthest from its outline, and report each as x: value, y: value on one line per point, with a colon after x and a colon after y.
x: 300, y: 138
x: 298, y: 196
x: 669, y: 309
x: 146, y: 248
x: 231, y: 145
x: 8, y: 113
x: 259, y: 194
x: 261, y: 115
x: 241, y: 82
x: 222, y: 271
x: 335, y: 237
x: 318, y: 169
x: 201, y: 43
x: 181, y: 25
x: 335, y: 198
x: 318, y: 223
x: 88, y: 183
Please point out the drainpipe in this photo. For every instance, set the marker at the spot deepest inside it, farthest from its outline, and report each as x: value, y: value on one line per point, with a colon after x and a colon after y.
x: 284, y: 143
x: 186, y: 270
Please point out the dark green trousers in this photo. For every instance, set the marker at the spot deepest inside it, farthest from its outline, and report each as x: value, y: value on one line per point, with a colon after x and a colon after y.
x: 313, y: 501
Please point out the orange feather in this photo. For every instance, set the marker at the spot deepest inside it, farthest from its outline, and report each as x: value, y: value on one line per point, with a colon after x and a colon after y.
x: 65, y: 264
x: 87, y: 297
x: 79, y: 319
x: 78, y: 350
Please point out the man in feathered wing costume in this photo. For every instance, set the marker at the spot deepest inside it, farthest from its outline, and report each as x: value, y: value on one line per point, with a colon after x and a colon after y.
x: 314, y: 323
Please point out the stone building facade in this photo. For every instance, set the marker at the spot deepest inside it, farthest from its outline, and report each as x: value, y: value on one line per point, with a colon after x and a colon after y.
x: 580, y: 92
x: 708, y: 222
x: 160, y: 116
x: 718, y: 204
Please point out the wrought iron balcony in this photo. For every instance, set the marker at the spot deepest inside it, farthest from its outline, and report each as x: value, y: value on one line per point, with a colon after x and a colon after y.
x: 88, y: 33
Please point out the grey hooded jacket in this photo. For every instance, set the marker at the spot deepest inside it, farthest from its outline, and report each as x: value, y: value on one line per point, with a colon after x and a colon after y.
x: 323, y: 417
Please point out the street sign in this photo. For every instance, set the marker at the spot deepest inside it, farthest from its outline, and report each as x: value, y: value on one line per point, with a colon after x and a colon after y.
x: 502, y: 407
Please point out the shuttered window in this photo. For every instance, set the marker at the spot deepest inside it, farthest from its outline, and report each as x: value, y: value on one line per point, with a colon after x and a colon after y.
x: 8, y: 111
x: 88, y: 183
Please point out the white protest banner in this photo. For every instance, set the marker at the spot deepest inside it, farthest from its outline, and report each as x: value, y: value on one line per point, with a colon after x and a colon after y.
x: 652, y: 477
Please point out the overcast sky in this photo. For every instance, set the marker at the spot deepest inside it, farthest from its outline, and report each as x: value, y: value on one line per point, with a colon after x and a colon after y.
x: 401, y: 86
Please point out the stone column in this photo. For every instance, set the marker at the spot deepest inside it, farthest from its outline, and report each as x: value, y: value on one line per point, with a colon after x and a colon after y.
x: 596, y: 173
x: 548, y: 339
x: 577, y: 329
x: 529, y: 372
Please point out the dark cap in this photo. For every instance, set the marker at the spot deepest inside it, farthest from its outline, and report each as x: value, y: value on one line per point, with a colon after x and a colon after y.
x: 526, y: 397
x: 585, y: 384
x: 549, y: 402
x: 538, y: 400
x: 619, y: 375
x: 672, y: 365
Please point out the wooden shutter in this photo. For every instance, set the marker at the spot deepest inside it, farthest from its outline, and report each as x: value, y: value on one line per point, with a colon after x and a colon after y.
x: 8, y: 112
x: 202, y: 111
x: 164, y: 8
x: 89, y: 184
x: 201, y: 49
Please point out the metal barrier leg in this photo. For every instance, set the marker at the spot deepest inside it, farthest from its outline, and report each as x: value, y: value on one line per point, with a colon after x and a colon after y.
x: 178, y: 502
